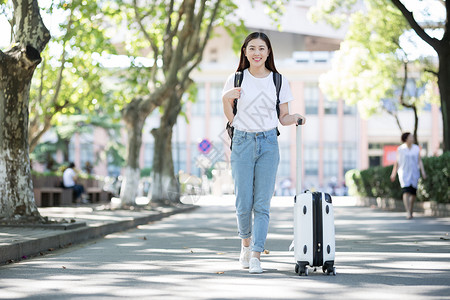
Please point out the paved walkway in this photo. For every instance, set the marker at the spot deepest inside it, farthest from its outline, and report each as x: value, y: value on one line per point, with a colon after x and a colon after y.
x: 380, y: 255
x: 92, y: 221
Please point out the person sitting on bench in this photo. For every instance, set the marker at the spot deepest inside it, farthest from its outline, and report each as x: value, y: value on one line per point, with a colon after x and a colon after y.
x: 70, y: 176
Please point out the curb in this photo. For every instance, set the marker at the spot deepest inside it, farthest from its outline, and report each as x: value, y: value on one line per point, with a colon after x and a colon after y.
x: 61, y: 239
x: 428, y: 208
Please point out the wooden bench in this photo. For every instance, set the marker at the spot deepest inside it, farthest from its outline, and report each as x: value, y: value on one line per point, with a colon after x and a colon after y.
x: 53, y: 196
x: 94, y: 194
x: 48, y: 191
x: 67, y: 197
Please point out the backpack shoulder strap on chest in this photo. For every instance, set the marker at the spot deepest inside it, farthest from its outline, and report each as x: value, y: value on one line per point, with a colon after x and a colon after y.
x: 277, y: 80
x: 238, y: 77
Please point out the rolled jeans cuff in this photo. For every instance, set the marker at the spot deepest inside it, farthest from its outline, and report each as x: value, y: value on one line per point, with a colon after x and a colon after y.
x: 245, y: 236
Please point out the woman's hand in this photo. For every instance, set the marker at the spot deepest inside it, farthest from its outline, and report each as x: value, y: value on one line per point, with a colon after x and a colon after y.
x: 393, y: 177
x: 228, y: 102
x: 286, y: 119
x: 293, y: 119
x: 298, y: 117
x: 230, y: 95
x: 424, y: 176
x: 394, y: 171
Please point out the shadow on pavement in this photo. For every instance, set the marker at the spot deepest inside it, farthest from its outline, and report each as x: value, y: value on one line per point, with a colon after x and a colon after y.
x: 195, y: 255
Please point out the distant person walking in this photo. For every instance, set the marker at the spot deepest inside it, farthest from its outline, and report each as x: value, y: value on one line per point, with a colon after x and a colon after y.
x: 408, y: 164
x: 70, y: 177
x: 255, y: 154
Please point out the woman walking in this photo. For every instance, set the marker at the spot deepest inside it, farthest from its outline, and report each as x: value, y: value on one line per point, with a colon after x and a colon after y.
x: 408, y: 164
x: 255, y: 154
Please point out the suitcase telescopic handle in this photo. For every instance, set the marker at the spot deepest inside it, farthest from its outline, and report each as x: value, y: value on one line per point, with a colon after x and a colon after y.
x: 298, y: 186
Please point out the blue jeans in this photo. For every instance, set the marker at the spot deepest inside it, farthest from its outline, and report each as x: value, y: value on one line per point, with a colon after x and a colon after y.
x: 78, y: 190
x: 254, y: 163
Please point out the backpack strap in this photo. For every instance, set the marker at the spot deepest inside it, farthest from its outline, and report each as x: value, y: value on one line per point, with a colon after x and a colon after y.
x: 277, y: 80
x: 238, y: 77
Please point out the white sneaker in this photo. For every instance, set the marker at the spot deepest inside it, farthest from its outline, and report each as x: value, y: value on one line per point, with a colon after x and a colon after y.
x: 255, y: 266
x: 244, y: 258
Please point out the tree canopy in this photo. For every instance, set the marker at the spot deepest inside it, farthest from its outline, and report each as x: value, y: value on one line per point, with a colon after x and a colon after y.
x: 373, y: 67
x: 70, y: 78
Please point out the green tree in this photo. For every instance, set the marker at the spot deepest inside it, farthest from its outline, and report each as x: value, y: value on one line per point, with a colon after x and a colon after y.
x: 374, y: 60
x: 69, y: 80
x: 176, y: 33
x: 371, y: 68
x: 17, y: 65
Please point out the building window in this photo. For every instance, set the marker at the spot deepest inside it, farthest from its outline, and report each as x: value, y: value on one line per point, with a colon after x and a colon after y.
x: 71, y: 150
x: 349, y: 109
x: 311, y: 98
x: 198, y: 107
x: 113, y: 170
x: 375, y: 146
x: 311, y: 158
x: 86, y: 155
x: 330, y: 160
x: 330, y: 107
x: 179, y: 156
x: 349, y: 156
x: 148, y: 155
x: 213, y: 55
x: 374, y: 161
x: 216, y: 99
x: 284, y: 168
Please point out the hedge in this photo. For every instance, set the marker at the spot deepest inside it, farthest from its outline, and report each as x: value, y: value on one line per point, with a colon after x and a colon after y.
x: 375, y: 182
x: 59, y: 173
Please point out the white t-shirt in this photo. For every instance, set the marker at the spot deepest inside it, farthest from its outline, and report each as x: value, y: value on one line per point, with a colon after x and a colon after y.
x: 256, y: 108
x: 68, y: 176
x: 408, y: 165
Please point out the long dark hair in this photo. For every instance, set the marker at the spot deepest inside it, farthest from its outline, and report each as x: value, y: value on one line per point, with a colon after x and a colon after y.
x: 243, y: 61
x: 405, y: 136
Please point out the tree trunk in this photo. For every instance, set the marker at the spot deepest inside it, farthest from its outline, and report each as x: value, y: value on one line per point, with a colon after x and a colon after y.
x: 416, y: 124
x: 444, y: 90
x: 16, y: 188
x: 17, y: 66
x: 165, y: 186
x: 134, y: 119
x: 130, y: 183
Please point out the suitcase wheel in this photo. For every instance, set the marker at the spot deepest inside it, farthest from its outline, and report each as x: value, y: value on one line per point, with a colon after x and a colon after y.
x: 329, y: 270
x: 300, y: 270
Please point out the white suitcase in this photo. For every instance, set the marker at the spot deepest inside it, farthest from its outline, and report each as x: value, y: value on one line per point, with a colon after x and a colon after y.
x: 314, y: 237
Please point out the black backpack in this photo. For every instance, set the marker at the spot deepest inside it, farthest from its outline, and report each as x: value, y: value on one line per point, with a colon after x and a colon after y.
x: 238, y: 77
